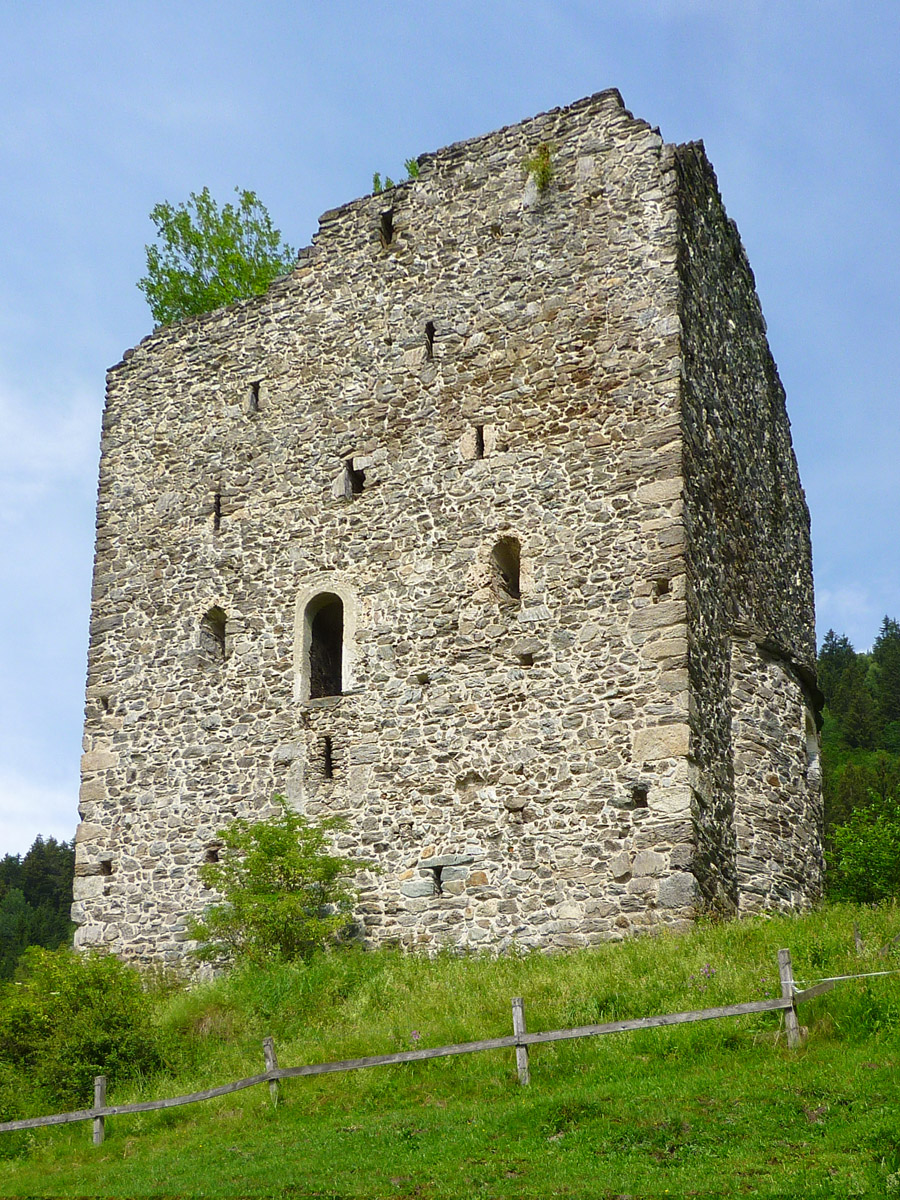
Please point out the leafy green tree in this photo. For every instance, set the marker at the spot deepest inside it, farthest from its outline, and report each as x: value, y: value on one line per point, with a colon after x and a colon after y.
x: 206, y: 257
x: 285, y: 895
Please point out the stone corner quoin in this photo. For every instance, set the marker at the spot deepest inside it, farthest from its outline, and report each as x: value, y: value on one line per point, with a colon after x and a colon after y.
x: 483, y: 530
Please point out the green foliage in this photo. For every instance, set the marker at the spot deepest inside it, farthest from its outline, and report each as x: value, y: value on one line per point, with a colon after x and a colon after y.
x: 206, y: 257
x: 865, y: 859
x: 860, y: 745
x: 380, y: 185
x: 68, y: 1017
x: 540, y: 166
x: 285, y: 895
x: 35, y: 897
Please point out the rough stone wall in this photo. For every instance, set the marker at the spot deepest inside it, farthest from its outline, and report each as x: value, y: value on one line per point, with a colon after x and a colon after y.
x: 778, y: 812
x: 460, y: 364
x: 749, y: 563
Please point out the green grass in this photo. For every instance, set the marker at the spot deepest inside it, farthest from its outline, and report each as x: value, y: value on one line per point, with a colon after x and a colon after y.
x: 714, y: 1109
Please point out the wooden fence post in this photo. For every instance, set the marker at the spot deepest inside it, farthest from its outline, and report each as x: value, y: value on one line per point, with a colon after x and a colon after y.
x: 791, y: 1024
x: 99, y: 1102
x: 518, y: 1015
x: 271, y: 1065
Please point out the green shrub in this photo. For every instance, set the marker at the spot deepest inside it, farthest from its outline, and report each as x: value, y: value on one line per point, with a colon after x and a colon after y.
x: 540, y: 166
x: 285, y: 895
x: 67, y: 1017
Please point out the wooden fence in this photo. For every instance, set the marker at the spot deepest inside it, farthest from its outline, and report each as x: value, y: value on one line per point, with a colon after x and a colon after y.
x: 519, y: 1040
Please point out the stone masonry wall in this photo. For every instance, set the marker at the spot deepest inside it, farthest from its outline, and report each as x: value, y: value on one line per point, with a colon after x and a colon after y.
x: 778, y: 809
x: 749, y: 563
x: 457, y: 365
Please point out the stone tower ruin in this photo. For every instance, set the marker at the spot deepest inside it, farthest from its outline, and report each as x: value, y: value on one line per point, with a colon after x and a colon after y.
x: 483, y: 530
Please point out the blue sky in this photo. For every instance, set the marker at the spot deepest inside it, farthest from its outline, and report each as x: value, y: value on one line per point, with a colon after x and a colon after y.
x: 108, y: 108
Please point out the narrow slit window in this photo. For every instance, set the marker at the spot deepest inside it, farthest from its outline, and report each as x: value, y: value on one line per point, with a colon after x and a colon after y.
x: 327, y: 757
x: 386, y: 228
x: 217, y: 512
x: 429, y: 340
x: 356, y: 480
x: 212, y: 637
x: 505, y: 567
x: 325, y: 615
x: 479, y: 441
x: 254, y: 397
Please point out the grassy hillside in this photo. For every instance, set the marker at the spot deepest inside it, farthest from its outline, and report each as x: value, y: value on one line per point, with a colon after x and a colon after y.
x: 721, y: 1108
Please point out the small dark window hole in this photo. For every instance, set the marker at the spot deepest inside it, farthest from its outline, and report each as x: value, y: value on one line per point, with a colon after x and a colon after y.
x: 423, y: 679
x: 356, y: 479
x: 526, y: 660
x: 438, y: 887
x: 212, y: 636
x: 104, y: 703
x: 327, y: 757
x: 217, y: 512
x: 505, y: 565
x: 106, y: 866
x: 387, y: 227
x: 254, y: 397
x: 429, y: 340
x: 479, y: 441
x: 212, y: 855
x: 639, y: 795
x: 661, y: 587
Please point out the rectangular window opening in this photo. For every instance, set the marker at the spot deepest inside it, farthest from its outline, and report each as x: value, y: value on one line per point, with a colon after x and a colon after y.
x: 254, y: 397
x: 386, y: 228
x: 479, y: 441
x: 429, y: 340
x: 327, y: 757
x: 356, y: 479
x: 217, y: 512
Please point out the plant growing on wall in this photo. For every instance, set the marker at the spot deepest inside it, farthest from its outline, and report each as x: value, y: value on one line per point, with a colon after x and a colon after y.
x: 380, y: 185
x: 540, y: 166
x: 206, y: 256
x: 285, y: 895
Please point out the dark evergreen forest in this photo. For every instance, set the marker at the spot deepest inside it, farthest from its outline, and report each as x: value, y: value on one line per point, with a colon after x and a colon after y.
x: 35, y: 897
x: 861, y: 735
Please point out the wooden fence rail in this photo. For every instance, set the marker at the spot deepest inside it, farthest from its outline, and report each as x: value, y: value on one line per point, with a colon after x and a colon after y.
x: 519, y: 1040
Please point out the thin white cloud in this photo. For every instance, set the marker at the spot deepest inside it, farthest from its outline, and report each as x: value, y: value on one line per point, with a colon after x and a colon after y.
x: 30, y: 808
x: 43, y: 446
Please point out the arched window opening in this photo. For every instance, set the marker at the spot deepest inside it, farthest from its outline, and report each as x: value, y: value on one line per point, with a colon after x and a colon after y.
x: 325, y: 615
x: 212, y: 637
x: 505, y: 567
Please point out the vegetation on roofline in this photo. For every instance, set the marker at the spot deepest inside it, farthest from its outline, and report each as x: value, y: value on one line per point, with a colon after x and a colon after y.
x: 206, y: 256
x: 384, y: 185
